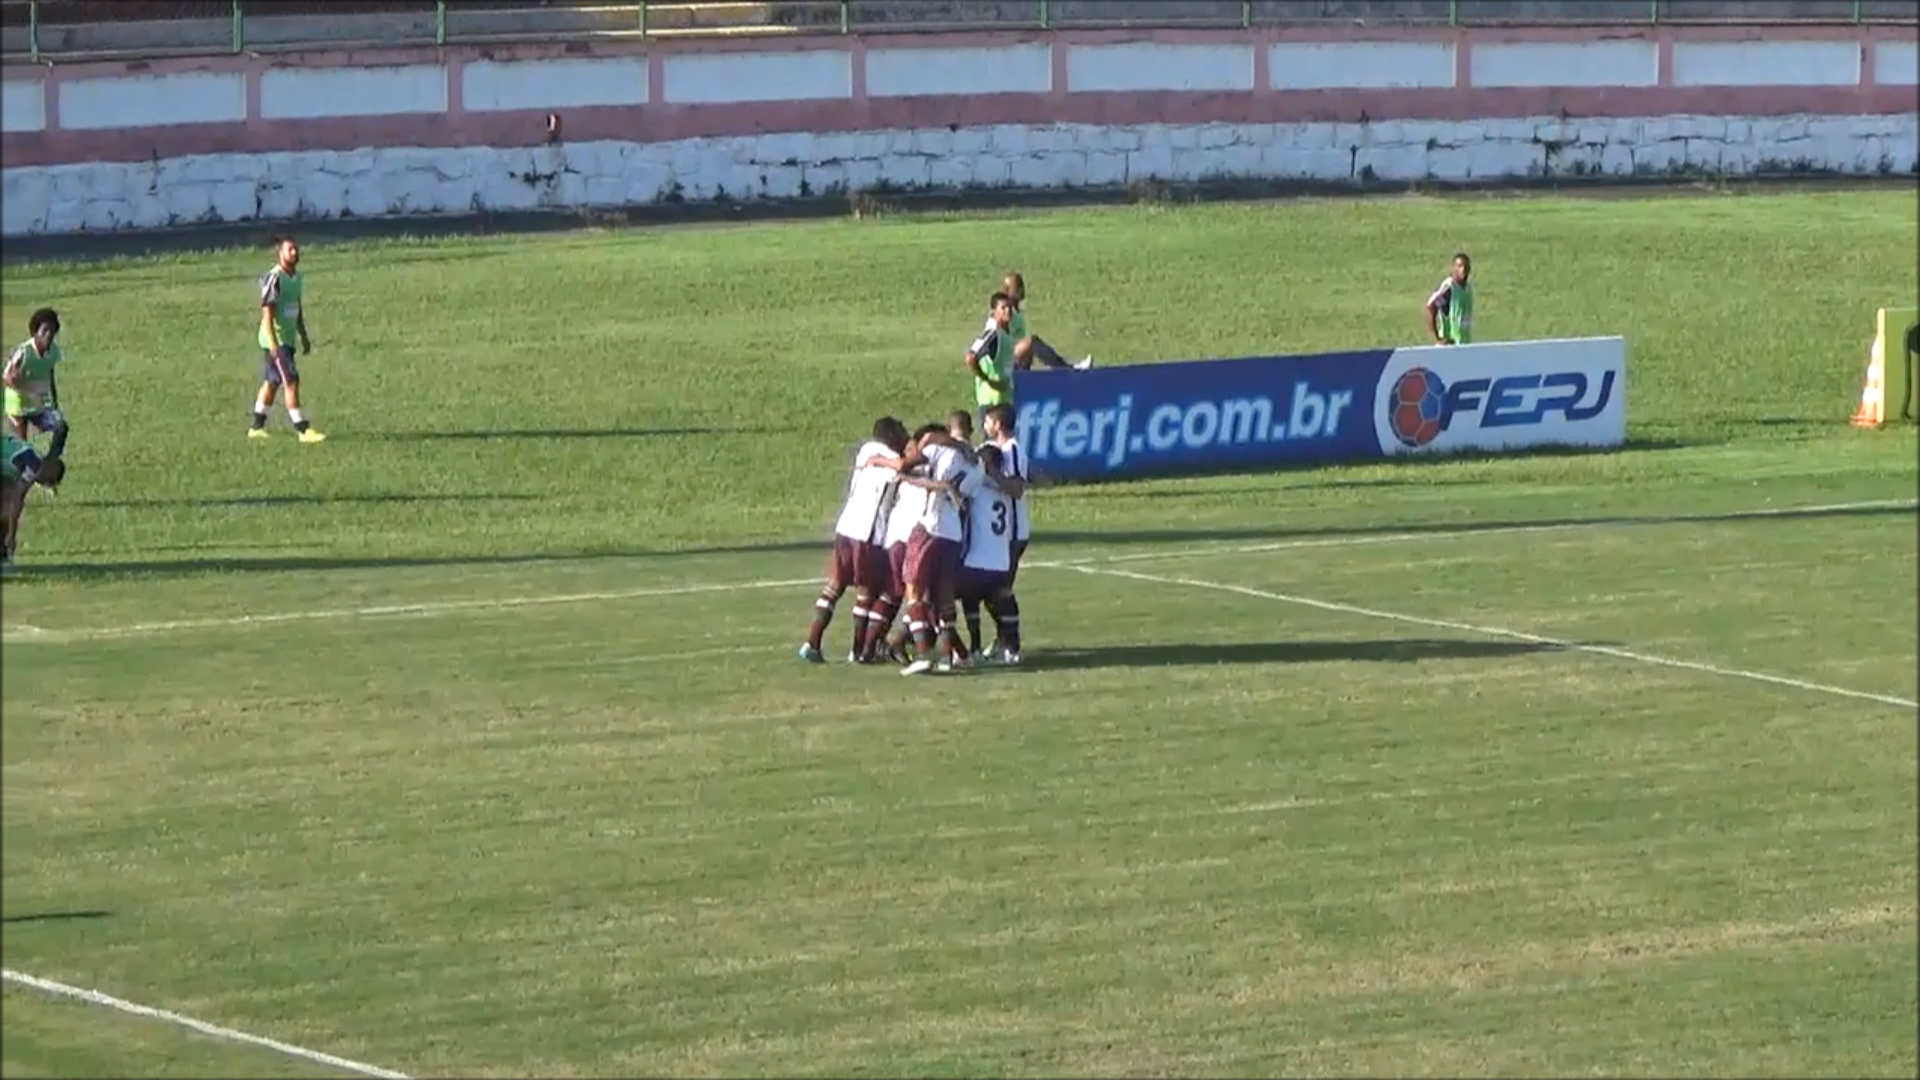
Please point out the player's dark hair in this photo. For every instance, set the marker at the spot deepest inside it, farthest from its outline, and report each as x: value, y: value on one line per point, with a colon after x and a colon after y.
x: 1461, y: 256
x: 886, y: 426
x: 962, y: 419
x: 990, y: 457
x: 997, y: 299
x: 47, y: 317
x: 1013, y: 277
x: 1002, y: 414
x: 929, y: 429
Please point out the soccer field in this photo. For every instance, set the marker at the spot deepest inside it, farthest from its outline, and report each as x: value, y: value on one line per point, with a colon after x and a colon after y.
x: 472, y: 741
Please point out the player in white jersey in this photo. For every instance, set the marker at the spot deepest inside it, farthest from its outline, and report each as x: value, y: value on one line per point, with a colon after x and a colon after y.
x: 986, y: 570
x: 909, y: 503
x: 857, y: 559
x: 1014, y: 479
x: 933, y: 553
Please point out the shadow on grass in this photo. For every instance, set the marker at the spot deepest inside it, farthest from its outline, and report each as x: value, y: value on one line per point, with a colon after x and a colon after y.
x: 54, y: 916
x: 1413, y: 467
x: 1258, y: 534
x: 819, y: 545
x: 258, y: 235
x: 1389, y: 650
x: 562, y: 433
x: 251, y: 501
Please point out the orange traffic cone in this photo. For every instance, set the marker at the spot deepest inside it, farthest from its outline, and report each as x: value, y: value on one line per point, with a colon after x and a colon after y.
x: 1873, y: 395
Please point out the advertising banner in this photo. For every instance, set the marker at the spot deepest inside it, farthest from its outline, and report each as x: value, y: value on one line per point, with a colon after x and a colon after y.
x: 1258, y: 413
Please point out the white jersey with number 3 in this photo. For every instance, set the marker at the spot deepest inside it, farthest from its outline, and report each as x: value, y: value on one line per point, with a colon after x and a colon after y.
x: 1013, y: 462
x: 864, y: 515
x: 989, y: 530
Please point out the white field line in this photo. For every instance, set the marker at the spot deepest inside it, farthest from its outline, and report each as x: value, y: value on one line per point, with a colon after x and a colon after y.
x: 24, y: 634
x: 95, y: 997
x: 1466, y: 532
x: 1502, y: 632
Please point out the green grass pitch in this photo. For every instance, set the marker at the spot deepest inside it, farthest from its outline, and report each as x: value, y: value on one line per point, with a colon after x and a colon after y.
x: 513, y: 770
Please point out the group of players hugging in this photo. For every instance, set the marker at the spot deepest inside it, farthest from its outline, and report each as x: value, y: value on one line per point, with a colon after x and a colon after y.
x: 933, y: 526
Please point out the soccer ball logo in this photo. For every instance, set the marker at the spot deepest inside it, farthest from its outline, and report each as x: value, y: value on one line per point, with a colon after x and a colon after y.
x: 1416, y: 408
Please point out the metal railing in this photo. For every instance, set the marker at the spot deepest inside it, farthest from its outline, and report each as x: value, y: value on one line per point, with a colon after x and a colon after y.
x: 52, y: 30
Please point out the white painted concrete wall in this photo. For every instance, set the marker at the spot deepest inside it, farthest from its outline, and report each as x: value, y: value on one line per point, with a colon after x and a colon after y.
x: 1766, y: 63
x: 314, y: 93
x: 370, y: 183
x: 1152, y: 66
x: 1360, y: 65
x: 23, y: 106
x: 727, y: 78
x: 489, y: 86
x: 154, y: 100
x: 1586, y: 63
x: 1896, y: 63
x: 996, y: 69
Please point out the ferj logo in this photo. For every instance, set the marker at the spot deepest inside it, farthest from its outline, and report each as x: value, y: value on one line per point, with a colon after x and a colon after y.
x: 1417, y: 408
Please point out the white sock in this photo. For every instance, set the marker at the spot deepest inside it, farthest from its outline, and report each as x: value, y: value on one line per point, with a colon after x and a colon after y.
x: 259, y: 409
x: 297, y: 417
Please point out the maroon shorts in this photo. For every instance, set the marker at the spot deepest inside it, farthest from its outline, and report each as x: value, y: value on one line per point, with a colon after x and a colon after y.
x: 859, y: 564
x: 975, y: 584
x: 932, y: 564
x: 843, y: 561
x: 897, y: 568
x: 1019, y: 549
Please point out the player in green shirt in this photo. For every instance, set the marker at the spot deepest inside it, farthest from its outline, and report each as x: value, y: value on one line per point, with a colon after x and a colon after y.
x: 1450, y: 308
x: 20, y: 469
x: 281, y: 319
x: 32, y: 397
x: 990, y: 357
x: 1029, y: 347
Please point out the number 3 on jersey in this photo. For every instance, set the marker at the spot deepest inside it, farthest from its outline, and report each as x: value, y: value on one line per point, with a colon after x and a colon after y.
x: 999, y: 517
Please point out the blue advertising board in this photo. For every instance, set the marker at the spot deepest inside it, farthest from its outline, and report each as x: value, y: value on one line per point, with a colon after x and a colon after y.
x: 1249, y: 413
x: 1257, y: 413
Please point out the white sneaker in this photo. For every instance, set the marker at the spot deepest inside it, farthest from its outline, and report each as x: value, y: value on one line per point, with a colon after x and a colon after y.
x: 918, y: 667
x: 1083, y: 363
x: 1011, y: 659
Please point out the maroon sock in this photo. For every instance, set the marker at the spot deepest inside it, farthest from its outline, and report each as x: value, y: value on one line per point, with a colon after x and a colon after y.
x: 823, y: 614
x: 950, y: 633
x: 879, y: 621
x: 921, y: 627
x: 862, y: 619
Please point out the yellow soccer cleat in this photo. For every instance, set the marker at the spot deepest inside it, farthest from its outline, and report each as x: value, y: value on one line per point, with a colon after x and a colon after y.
x: 312, y: 435
x: 257, y: 433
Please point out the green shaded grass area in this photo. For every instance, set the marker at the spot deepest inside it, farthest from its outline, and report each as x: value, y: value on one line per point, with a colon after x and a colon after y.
x: 471, y: 741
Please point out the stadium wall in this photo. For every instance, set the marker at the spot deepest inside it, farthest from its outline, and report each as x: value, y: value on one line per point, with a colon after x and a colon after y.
x: 136, y: 145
